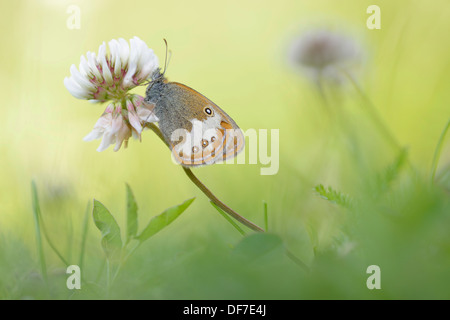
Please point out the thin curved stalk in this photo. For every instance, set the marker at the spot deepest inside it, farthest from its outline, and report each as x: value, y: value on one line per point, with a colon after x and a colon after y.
x: 372, y: 110
x: 207, y: 192
x: 219, y: 203
x: 222, y: 205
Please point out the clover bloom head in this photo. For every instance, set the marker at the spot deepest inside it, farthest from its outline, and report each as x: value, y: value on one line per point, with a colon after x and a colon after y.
x: 104, y: 77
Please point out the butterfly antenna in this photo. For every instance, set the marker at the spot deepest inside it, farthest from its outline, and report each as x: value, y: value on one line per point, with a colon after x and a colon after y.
x: 166, y: 63
x: 167, y: 58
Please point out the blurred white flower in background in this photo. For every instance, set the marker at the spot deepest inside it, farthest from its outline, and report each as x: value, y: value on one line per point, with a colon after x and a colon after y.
x: 109, y: 77
x: 324, y: 55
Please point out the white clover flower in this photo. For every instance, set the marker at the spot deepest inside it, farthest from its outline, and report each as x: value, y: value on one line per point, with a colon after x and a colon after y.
x: 324, y: 54
x: 117, y: 124
x: 112, y: 127
x: 106, y: 76
x: 144, y: 110
x: 109, y: 77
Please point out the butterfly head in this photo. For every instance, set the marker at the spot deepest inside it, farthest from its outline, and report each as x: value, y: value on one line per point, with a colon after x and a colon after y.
x: 155, y: 86
x: 158, y: 80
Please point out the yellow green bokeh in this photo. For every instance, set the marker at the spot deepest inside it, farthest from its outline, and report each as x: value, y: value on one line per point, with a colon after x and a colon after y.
x: 235, y: 53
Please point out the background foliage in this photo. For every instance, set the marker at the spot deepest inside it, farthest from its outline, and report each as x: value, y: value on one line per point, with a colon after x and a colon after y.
x: 234, y: 52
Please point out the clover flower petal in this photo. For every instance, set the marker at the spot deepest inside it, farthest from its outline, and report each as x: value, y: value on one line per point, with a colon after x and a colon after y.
x: 109, y: 76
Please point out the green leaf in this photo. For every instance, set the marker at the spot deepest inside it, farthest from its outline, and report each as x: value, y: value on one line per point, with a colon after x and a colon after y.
x: 257, y: 245
x: 163, y: 220
x: 105, y: 222
x: 132, y: 222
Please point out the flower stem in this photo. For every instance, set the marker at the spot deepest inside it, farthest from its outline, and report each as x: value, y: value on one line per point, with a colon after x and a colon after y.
x: 207, y: 192
x: 219, y: 203
x: 371, y: 109
x: 223, y: 206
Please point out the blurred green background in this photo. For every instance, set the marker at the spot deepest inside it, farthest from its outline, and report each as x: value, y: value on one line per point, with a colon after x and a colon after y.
x: 235, y: 53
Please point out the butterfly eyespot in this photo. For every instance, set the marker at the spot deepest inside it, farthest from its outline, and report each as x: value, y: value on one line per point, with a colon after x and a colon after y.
x: 205, y: 143
x: 194, y: 149
x: 181, y: 154
x: 208, y: 111
x: 213, y: 139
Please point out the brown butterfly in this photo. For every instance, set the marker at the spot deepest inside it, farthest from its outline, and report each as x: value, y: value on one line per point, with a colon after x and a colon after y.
x: 196, y: 129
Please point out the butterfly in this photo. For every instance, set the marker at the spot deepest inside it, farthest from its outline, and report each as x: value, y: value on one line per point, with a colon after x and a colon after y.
x: 195, y: 128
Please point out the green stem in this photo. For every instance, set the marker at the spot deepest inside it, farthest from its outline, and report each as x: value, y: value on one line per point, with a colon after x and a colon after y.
x: 100, y: 271
x: 371, y: 109
x: 50, y: 243
x: 84, y: 235
x: 437, y: 151
x: 123, y: 259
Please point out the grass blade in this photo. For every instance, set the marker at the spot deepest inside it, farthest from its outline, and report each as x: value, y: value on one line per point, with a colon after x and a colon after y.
x: 84, y: 235
x: 266, y: 217
x: 227, y: 217
x: 36, y: 215
x: 132, y: 222
x: 47, y: 238
x: 40, y: 227
x: 52, y: 246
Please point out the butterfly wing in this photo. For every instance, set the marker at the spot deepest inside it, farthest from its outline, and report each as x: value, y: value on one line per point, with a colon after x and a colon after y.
x: 198, y: 131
